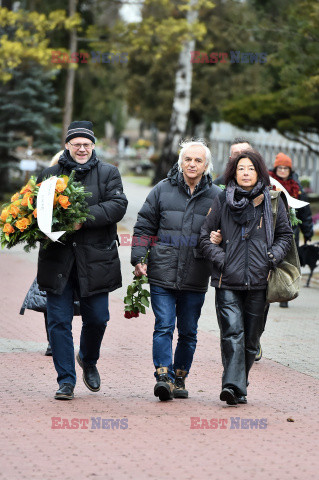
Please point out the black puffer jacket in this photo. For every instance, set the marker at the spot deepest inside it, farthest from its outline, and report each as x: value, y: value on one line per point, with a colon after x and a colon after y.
x: 36, y: 300
x: 93, y: 247
x: 174, y: 216
x: 242, y: 261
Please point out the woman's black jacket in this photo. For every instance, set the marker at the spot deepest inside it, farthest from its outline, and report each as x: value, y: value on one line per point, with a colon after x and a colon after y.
x: 169, y: 224
x: 93, y: 247
x: 36, y: 300
x: 242, y: 261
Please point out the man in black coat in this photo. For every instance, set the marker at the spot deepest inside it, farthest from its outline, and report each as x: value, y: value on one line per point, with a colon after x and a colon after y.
x: 173, y: 213
x: 86, y: 265
x: 237, y: 146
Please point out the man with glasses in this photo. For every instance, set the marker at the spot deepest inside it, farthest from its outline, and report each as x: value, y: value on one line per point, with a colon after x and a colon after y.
x: 86, y: 266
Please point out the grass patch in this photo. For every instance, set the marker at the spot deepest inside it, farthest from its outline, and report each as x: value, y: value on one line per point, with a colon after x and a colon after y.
x: 139, y: 180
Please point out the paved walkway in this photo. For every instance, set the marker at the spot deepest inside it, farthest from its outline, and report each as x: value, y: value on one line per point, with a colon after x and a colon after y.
x: 124, y: 431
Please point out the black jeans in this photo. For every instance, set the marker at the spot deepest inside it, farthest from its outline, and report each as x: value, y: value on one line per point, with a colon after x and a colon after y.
x: 240, y: 315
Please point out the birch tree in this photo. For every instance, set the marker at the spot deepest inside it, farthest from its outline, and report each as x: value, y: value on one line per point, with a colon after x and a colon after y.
x: 181, y: 102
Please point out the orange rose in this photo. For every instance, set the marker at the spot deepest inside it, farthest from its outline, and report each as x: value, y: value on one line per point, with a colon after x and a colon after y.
x: 27, y: 196
x: 14, y: 210
x: 4, y: 214
x: 15, y: 197
x: 23, y: 224
x: 8, y: 228
x: 25, y: 189
x: 64, y: 201
x: 60, y: 185
x: 35, y: 213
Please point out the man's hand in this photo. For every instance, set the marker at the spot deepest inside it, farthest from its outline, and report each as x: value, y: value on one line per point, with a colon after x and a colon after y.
x: 77, y: 226
x: 140, y: 269
x: 216, y: 237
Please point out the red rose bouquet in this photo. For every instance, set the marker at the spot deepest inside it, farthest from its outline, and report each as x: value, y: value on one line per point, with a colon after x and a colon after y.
x: 137, y: 296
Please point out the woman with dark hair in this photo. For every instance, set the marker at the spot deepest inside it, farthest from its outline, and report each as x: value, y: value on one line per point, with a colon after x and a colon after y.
x: 239, y: 239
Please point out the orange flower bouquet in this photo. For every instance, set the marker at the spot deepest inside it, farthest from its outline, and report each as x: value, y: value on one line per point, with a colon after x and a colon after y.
x: 18, y: 219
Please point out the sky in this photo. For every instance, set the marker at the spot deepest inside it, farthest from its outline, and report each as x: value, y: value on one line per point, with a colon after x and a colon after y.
x: 131, y: 13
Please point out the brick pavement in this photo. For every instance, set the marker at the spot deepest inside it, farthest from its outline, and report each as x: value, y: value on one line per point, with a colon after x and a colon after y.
x: 158, y: 442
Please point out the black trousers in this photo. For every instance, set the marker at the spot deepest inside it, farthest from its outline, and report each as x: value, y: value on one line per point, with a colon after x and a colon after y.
x: 240, y: 315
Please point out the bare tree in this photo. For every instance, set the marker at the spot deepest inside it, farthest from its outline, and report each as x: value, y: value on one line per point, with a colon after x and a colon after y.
x: 181, y: 103
x: 69, y: 87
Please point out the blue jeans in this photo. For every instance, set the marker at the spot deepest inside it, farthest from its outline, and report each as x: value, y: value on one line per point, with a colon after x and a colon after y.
x: 95, y: 315
x: 167, y: 305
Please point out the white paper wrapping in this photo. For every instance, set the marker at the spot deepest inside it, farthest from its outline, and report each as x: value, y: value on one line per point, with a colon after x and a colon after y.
x: 45, y: 208
x: 292, y: 202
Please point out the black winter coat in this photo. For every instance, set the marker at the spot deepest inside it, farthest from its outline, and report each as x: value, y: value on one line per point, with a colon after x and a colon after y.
x: 174, y: 216
x: 242, y: 261
x: 93, y: 247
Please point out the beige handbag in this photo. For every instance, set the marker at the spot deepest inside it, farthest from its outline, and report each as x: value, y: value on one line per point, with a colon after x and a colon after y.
x: 284, y: 280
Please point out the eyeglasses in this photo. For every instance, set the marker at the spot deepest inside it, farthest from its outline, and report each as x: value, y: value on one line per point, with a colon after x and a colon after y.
x: 282, y: 168
x: 87, y: 146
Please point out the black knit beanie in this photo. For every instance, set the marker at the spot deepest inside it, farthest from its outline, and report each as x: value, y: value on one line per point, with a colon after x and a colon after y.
x: 80, y: 129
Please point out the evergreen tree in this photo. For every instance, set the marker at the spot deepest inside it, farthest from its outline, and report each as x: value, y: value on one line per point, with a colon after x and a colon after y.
x: 27, y: 108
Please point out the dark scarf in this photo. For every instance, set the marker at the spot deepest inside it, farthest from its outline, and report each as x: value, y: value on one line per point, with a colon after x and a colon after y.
x: 242, y: 208
x: 81, y: 170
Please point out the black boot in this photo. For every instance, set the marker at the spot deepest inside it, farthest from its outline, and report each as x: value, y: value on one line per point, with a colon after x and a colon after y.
x: 179, y: 384
x: 65, y: 392
x: 228, y: 395
x: 164, y: 385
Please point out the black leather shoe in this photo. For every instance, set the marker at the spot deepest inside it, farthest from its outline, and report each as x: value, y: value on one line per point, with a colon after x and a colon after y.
x: 91, y: 377
x: 228, y: 395
x: 48, y: 353
x: 242, y: 399
x: 65, y: 392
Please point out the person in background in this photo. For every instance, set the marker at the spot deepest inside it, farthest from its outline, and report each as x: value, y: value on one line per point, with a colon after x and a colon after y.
x: 36, y: 300
x: 178, y: 275
x: 238, y: 239
x: 283, y: 172
x: 237, y: 146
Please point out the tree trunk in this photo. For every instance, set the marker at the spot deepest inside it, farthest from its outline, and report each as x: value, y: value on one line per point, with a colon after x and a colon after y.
x: 181, y: 103
x: 69, y: 87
